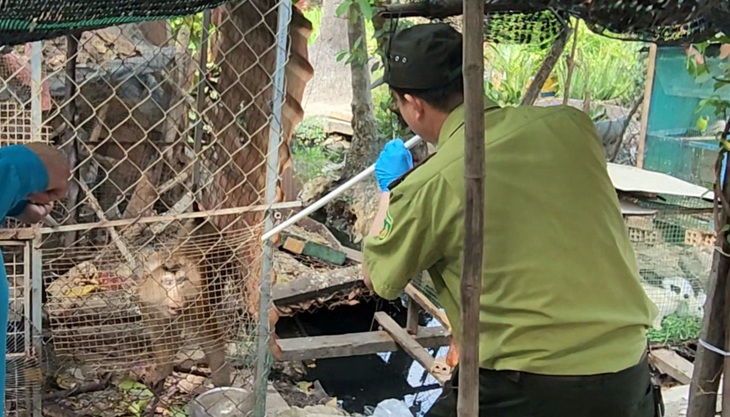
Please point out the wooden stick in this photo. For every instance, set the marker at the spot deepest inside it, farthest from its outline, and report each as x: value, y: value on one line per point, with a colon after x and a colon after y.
x: 670, y: 363
x: 533, y: 92
x: 414, y: 311
x: 94, y: 203
x: 471, y: 275
x: 571, y: 65
x: 647, y: 106
x: 419, y: 297
x: 408, y: 344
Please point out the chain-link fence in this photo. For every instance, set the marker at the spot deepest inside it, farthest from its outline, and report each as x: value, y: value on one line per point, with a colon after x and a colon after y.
x: 151, y: 268
x: 674, y: 243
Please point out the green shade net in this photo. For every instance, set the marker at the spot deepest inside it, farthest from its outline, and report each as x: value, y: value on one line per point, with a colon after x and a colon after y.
x: 33, y: 20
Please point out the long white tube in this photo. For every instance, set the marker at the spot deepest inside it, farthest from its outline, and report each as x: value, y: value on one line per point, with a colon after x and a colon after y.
x: 331, y: 196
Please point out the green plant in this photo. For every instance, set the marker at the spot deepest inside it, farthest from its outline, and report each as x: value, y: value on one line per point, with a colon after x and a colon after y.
x: 675, y: 328
x: 698, y: 66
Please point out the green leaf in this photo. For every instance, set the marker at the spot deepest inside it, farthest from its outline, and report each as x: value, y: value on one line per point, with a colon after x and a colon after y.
x: 358, y: 42
x: 341, y: 55
x: 366, y: 9
x: 343, y: 8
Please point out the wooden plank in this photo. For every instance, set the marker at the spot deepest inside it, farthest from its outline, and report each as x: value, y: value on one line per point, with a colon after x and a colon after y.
x: 670, y: 363
x: 306, y: 247
x: 414, y: 311
x: 648, y: 88
x: 354, y: 344
x: 306, y: 288
x: 409, y: 344
x: 419, y: 297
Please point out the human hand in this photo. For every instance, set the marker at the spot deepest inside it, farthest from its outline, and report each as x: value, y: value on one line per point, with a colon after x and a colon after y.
x: 34, y: 213
x: 394, y: 161
x: 58, y: 170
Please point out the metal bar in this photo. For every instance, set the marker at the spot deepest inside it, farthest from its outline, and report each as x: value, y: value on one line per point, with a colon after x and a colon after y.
x: 36, y: 76
x: 331, y: 196
x: 200, y: 99
x: 28, y: 326
x: 37, y: 316
x: 471, y: 274
x: 164, y: 218
x: 263, y: 360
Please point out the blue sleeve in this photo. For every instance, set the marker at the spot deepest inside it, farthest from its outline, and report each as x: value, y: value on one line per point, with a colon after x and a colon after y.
x: 21, y: 173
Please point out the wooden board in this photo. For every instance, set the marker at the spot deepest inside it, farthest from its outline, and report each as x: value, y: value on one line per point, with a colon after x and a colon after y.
x: 296, y: 244
x: 307, y: 288
x: 409, y: 344
x: 354, y: 344
x: 427, y: 305
x: 670, y: 363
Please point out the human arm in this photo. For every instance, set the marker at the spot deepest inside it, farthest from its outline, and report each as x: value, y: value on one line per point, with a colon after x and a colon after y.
x: 375, y: 228
x: 22, y: 173
x: 418, y: 221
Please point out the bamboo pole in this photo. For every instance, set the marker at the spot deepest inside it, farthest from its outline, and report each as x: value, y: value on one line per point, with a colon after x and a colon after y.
x: 571, y: 65
x: 648, y: 88
x: 471, y: 275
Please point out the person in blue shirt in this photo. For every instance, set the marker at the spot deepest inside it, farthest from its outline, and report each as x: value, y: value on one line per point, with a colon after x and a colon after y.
x: 32, y: 178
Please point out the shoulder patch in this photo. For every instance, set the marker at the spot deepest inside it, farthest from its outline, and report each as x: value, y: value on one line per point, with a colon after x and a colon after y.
x: 387, y: 226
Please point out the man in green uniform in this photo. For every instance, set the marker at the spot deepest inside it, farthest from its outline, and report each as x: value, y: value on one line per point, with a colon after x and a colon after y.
x: 563, y: 316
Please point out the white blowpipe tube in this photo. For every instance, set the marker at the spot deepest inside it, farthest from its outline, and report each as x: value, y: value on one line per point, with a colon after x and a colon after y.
x: 331, y: 196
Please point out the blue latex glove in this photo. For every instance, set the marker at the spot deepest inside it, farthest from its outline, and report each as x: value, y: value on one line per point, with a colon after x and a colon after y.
x: 394, y: 161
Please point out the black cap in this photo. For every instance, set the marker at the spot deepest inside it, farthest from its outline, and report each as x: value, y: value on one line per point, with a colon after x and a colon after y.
x: 423, y: 57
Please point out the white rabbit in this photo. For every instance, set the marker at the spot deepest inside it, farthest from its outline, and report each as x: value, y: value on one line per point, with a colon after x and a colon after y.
x: 679, y: 285
x: 665, y: 300
x: 694, y: 306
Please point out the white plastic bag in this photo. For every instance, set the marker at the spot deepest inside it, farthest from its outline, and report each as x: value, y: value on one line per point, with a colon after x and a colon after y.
x: 392, y: 408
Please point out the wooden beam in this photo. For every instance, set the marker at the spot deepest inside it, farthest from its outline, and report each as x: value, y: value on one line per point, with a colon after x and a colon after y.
x: 305, y: 288
x: 409, y: 344
x: 354, y: 344
x: 414, y: 311
x: 416, y: 295
x: 648, y: 88
x: 670, y: 363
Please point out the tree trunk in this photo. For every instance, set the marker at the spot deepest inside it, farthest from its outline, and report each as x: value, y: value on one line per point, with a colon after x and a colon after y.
x: 364, y: 126
x: 329, y: 90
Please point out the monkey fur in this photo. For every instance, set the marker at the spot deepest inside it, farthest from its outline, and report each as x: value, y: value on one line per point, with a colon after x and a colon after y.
x: 179, y: 294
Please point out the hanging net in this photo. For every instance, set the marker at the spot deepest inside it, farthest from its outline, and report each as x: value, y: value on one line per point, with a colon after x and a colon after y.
x: 32, y: 20
x: 665, y: 22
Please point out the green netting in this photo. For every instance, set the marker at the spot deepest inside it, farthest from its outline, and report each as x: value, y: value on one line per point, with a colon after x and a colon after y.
x: 32, y: 20
x: 539, y: 29
x: 666, y: 22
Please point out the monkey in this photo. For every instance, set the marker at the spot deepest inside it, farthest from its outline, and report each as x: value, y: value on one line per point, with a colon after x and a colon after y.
x: 178, y: 295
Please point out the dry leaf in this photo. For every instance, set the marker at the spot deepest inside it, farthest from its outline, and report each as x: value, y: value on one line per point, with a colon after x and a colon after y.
x: 725, y: 51
x: 304, y: 386
x: 81, y: 291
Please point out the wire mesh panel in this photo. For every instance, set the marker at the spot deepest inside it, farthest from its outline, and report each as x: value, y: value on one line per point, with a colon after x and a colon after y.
x: 151, y: 265
x: 674, y: 249
x: 23, y: 376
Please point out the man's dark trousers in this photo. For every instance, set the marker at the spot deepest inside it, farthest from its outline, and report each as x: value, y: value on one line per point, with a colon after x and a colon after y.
x: 629, y: 393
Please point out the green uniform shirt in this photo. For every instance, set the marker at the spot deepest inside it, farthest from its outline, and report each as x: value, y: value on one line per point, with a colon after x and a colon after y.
x: 561, y: 292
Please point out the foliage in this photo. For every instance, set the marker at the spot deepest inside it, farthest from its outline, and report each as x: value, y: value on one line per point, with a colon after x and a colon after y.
x: 699, y: 66
x: 676, y: 328
x: 309, y: 154
x: 314, y: 15
x: 194, y: 24
x: 605, y: 68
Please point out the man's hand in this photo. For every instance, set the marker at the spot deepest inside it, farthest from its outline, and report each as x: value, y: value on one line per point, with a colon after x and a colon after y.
x: 58, y: 170
x: 394, y: 161
x: 34, y: 213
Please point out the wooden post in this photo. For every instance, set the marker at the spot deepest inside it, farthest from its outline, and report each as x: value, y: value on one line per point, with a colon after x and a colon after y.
x: 648, y: 88
x: 412, y: 319
x: 471, y: 275
x: 571, y: 65
x: 708, y: 365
